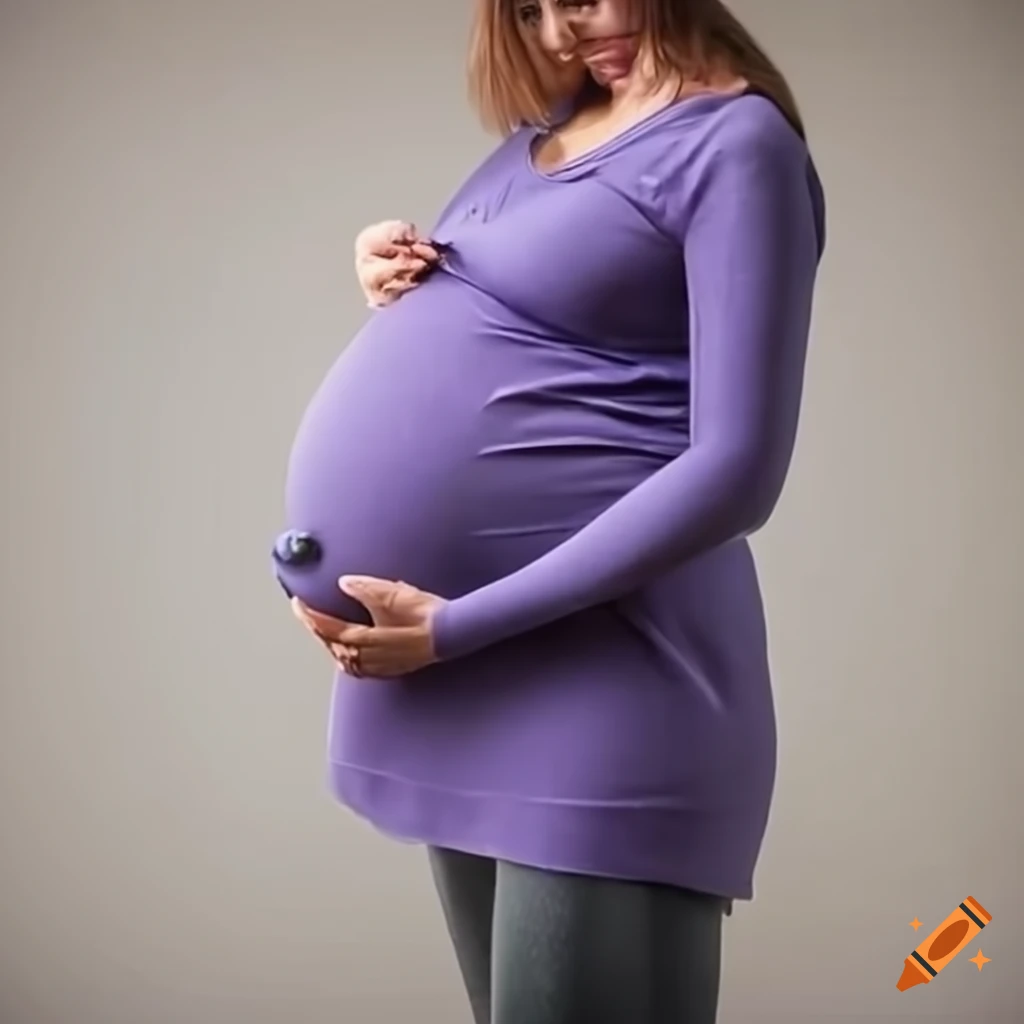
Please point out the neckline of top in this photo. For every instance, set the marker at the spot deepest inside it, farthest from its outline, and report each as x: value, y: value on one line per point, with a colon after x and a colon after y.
x: 689, y: 104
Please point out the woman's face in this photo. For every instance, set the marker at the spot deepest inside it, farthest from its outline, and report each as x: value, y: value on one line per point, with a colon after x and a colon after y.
x: 601, y: 36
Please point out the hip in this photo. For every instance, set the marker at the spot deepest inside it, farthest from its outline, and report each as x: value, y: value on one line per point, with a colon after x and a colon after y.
x: 631, y: 700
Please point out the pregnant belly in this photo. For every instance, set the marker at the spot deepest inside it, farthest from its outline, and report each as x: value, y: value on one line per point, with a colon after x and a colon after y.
x: 446, y: 451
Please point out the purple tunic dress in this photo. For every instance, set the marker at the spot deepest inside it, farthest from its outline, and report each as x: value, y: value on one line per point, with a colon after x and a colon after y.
x: 569, y: 430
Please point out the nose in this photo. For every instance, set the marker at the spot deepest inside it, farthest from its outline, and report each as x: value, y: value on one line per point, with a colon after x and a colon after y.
x: 557, y: 35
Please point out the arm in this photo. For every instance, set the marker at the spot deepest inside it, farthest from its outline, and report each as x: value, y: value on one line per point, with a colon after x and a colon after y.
x: 751, y: 244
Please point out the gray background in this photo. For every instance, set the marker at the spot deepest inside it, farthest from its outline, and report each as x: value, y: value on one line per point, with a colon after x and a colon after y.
x: 180, y: 184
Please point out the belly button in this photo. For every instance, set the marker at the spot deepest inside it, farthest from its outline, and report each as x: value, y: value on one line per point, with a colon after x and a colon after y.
x: 297, y: 548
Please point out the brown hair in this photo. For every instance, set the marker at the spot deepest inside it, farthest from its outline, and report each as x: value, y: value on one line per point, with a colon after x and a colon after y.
x: 696, y: 40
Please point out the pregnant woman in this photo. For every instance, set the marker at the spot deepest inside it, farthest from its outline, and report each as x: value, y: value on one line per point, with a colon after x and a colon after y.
x: 518, y: 507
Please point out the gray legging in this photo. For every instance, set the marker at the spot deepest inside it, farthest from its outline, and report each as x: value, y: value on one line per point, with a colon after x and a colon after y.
x: 541, y: 947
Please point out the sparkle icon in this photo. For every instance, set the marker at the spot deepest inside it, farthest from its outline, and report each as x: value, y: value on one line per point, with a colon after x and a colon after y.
x: 981, y: 959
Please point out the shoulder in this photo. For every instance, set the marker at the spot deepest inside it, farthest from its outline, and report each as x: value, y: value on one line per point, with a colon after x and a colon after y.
x: 734, y: 134
x: 726, y: 150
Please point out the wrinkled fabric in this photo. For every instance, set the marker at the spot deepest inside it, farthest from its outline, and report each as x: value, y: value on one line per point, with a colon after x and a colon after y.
x: 569, y: 430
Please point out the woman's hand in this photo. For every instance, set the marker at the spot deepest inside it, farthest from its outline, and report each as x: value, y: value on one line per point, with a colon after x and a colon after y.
x: 401, y: 638
x: 391, y: 258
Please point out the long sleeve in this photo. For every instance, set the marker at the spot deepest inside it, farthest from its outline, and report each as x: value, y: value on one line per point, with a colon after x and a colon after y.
x: 751, y: 227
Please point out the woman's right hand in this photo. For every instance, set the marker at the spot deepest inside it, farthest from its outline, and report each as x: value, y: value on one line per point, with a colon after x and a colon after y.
x: 391, y: 258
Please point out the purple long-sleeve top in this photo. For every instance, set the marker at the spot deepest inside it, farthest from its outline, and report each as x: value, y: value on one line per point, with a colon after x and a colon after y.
x: 569, y: 430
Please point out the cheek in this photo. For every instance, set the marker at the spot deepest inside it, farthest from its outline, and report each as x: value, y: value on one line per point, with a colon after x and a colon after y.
x: 558, y: 78
x: 623, y: 16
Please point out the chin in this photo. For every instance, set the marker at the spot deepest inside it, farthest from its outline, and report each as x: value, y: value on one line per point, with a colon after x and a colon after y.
x: 560, y: 79
x: 568, y: 83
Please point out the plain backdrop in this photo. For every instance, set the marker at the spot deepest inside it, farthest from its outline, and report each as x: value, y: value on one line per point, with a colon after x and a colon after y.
x: 180, y: 185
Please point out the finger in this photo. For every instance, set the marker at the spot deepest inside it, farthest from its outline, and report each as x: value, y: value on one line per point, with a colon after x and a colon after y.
x: 379, y: 300
x: 374, y: 593
x: 390, y: 290
x: 387, y: 236
x: 324, y: 641
x: 360, y: 637
x: 379, y: 273
x: 323, y: 627
x: 381, y: 667
x: 304, y: 614
x: 344, y: 657
x: 351, y: 662
x: 400, y: 231
x: 384, y: 231
x: 398, y: 286
x: 391, y: 257
x: 411, y: 269
x: 327, y: 628
x: 425, y: 251
x: 404, y: 263
x: 385, y: 250
x: 339, y: 662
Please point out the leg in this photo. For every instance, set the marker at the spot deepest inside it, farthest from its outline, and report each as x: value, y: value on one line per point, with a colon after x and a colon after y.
x: 465, y: 884
x: 570, y: 949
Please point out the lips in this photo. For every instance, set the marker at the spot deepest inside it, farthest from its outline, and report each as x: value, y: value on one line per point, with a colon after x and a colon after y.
x: 610, y: 48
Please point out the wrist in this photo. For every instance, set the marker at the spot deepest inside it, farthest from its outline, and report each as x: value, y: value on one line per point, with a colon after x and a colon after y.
x: 437, y: 626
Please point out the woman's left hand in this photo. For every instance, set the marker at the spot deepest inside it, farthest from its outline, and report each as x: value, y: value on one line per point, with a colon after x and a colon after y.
x: 401, y: 638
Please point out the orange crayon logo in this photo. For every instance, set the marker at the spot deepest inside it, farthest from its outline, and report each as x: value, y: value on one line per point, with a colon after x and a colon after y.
x: 943, y: 944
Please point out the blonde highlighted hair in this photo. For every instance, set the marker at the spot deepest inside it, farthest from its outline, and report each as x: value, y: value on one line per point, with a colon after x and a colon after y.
x: 692, y: 41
